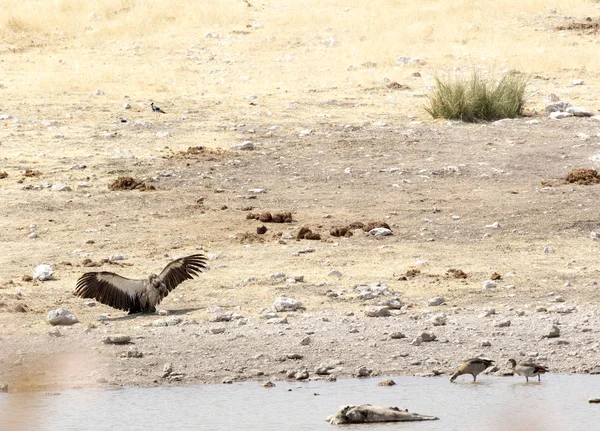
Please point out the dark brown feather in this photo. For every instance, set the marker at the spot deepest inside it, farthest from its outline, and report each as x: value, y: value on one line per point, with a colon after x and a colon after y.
x: 182, y: 269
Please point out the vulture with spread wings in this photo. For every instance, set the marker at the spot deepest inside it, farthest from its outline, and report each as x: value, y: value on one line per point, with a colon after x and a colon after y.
x: 137, y: 296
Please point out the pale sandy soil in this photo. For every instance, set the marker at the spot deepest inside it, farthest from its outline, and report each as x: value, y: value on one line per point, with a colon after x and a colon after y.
x: 372, y: 155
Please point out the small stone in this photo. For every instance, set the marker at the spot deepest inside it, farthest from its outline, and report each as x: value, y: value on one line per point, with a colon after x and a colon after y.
x: 284, y: 303
x: 540, y: 309
x: 43, y: 272
x: 244, y: 146
x: 117, y: 339
x: 503, y: 324
x: 268, y: 385
x: 60, y: 188
x: 377, y: 311
x: 61, y: 317
x: 388, y: 382
x: 485, y: 343
x: 305, y: 341
x: 577, y: 82
x: 438, y: 320
x: 126, y: 106
x: 302, y: 375
x: 434, y: 302
x: 553, y: 333
x: 549, y: 250
x: 494, y: 225
x: 99, y: 93
x: 380, y: 231
x: 216, y: 331
x: 363, y: 372
x: 427, y: 337
x: 334, y: 273
x: 580, y: 112
x: 396, y: 335
x: 167, y: 370
x: 559, y: 298
x: 489, y: 284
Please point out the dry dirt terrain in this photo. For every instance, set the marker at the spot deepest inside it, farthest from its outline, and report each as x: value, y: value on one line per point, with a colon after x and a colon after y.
x: 339, y: 136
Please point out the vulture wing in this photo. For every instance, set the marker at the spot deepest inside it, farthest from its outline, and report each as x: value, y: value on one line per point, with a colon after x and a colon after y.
x: 111, y: 289
x: 182, y: 269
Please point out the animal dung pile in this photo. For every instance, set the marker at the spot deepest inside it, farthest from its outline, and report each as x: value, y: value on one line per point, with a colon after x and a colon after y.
x: 129, y: 183
x: 340, y: 231
x: 267, y: 217
x: 306, y: 233
x: 456, y: 273
x: 583, y: 176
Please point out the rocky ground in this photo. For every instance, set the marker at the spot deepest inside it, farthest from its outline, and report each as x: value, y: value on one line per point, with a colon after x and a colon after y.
x: 466, y: 204
x: 313, y: 116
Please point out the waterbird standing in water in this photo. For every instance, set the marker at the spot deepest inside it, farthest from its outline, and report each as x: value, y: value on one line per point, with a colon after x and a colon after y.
x: 528, y: 369
x: 472, y: 366
x: 137, y: 296
x: 157, y: 109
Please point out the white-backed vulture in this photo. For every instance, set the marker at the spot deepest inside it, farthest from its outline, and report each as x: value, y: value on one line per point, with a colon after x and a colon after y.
x: 137, y: 296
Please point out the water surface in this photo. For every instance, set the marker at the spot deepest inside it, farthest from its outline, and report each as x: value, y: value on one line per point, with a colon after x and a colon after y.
x: 559, y: 403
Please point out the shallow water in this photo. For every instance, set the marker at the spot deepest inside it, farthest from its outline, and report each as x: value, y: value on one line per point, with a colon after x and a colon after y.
x: 560, y: 402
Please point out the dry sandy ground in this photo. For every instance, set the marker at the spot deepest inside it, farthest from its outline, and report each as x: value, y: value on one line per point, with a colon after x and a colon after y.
x: 332, y: 151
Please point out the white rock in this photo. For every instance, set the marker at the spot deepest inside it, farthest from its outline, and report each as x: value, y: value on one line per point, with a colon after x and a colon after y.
x: 126, y: 106
x: 244, y: 146
x: 256, y: 191
x: 277, y: 275
x: 438, y: 320
x: 559, y: 115
x: 557, y: 107
x: 305, y: 132
x: 334, y: 273
x: 494, y: 225
x: 99, y: 93
x: 380, y: 231
x: 434, y: 302
x: 60, y: 188
x: 32, y: 235
x: 163, y: 134
x: 580, y: 112
x: 595, y: 236
x: 348, y: 170
x: 489, y: 284
x: 577, y: 82
x: 43, y: 272
x: 283, y: 303
x: 61, y: 316
x: 551, y: 98
x: 549, y: 250
x: 116, y: 257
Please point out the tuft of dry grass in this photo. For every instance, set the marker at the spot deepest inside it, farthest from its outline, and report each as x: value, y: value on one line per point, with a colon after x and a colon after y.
x: 477, y: 98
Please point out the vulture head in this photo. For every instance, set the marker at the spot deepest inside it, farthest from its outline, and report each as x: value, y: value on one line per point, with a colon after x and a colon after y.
x: 137, y: 296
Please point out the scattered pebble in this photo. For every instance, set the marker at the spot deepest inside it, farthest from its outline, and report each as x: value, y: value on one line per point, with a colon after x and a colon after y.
x: 43, y: 272
x: 117, y: 339
x: 61, y: 316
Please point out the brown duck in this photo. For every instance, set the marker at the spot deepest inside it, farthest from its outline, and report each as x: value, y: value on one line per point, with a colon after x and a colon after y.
x: 528, y: 369
x: 472, y: 366
x: 137, y: 296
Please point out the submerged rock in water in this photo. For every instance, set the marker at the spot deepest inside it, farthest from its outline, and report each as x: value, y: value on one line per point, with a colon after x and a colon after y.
x: 367, y: 413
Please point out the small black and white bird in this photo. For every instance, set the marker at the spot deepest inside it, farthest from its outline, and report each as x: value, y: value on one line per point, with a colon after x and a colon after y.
x: 157, y: 109
x: 137, y: 296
